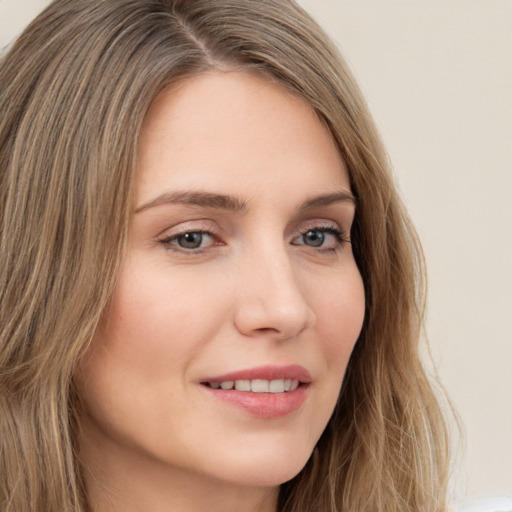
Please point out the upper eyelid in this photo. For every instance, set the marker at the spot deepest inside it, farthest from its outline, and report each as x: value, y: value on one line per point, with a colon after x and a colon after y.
x: 194, y: 225
x: 323, y: 224
x: 320, y: 223
x: 215, y: 238
x: 173, y: 236
x: 210, y: 227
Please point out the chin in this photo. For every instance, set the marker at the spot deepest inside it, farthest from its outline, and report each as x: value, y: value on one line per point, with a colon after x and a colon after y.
x: 268, y: 468
x: 267, y: 477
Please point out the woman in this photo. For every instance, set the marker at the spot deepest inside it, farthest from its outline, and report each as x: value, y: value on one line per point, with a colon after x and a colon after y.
x: 211, y: 293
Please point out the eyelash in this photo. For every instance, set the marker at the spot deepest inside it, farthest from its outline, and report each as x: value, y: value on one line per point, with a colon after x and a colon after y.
x: 338, y: 234
x: 167, y: 241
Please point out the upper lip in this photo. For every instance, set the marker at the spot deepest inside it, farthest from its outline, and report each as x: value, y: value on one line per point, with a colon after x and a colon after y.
x: 267, y: 372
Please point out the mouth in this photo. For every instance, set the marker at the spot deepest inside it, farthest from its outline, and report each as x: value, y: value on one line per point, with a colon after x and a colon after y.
x: 265, y: 392
x: 256, y: 385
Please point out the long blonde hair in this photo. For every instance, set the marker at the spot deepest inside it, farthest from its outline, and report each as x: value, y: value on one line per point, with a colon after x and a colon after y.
x: 75, y: 88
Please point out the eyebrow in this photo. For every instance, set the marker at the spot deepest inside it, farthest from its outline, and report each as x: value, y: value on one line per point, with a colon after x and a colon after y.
x: 226, y: 202
x: 197, y: 198
x: 325, y: 200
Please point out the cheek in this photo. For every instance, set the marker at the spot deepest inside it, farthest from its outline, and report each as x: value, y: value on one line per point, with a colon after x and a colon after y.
x: 340, y: 315
x: 153, y: 331
x: 340, y: 308
x: 158, y: 325
x: 162, y: 310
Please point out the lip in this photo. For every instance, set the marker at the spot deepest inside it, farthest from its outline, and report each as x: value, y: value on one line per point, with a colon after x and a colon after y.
x: 263, y: 405
x: 268, y: 372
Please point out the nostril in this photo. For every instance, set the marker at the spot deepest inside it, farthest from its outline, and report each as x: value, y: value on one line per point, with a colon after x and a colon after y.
x: 265, y: 330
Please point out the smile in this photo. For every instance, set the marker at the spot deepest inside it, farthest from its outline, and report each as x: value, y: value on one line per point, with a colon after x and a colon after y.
x: 265, y: 392
x: 257, y: 385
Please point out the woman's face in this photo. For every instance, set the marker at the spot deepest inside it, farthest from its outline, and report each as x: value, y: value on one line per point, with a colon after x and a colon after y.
x: 239, y: 273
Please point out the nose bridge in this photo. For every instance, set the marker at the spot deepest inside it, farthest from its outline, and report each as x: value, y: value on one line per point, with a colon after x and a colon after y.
x: 270, y: 297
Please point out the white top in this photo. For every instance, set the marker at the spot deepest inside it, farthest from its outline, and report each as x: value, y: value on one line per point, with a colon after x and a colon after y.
x: 488, y: 504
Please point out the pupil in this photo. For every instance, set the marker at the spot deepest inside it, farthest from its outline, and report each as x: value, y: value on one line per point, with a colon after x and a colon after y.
x: 190, y: 240
x: 314, y: 238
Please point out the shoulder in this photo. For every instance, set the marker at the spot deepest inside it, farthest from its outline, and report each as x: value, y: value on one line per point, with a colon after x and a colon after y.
x: 489, y: 504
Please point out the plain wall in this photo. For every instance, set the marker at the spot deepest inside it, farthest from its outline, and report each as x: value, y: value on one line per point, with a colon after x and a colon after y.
x: 438, y: 77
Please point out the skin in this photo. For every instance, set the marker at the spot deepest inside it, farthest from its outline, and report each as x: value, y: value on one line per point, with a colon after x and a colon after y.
x: 257, y: 291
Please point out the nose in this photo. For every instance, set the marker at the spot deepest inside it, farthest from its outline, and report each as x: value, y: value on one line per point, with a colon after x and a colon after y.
x: 270, y: 300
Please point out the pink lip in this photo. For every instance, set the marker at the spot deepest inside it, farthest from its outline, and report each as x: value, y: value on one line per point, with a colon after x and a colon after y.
x: 268, y: 372
x: 264, y: 405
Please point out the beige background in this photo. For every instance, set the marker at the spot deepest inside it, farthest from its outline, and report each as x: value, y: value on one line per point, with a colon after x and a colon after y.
x: 438, y: 76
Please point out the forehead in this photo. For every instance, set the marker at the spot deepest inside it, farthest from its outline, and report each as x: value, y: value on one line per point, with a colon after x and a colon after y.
x: 238, y: 132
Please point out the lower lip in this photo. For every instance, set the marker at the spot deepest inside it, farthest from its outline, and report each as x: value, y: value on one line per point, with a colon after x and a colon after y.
x: 263, y: 405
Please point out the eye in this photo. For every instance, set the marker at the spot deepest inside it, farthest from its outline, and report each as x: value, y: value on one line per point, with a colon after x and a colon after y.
x: 189, y: 240
x: 314, y: 238
x: 328, y: 238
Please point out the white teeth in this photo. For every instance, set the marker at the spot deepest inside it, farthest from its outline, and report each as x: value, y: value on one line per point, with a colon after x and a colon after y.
x: 276, y: 386
x: 243, y: 385
x: 257, y: 385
